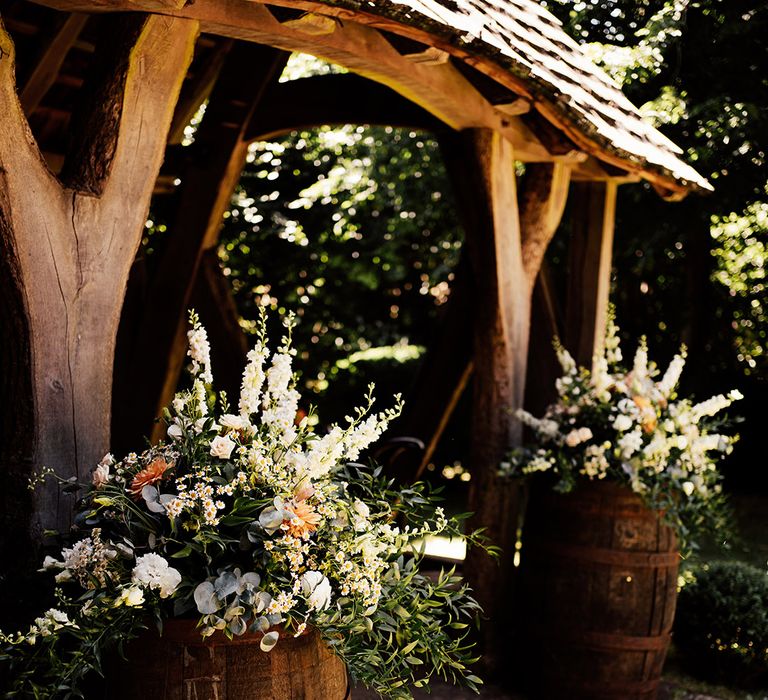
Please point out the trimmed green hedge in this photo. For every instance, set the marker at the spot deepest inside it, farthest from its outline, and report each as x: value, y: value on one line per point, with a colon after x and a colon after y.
x: 721, y: 627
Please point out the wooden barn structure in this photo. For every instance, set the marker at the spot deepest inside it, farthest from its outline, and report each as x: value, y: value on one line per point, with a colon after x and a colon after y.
x: 94, y: 99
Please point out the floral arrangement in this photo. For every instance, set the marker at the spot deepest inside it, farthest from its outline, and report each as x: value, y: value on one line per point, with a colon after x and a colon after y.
x: 630, y: 427
x: 250, y: 522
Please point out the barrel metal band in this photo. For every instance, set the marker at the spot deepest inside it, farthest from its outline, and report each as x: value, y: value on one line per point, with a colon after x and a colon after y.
x: 600, y: 555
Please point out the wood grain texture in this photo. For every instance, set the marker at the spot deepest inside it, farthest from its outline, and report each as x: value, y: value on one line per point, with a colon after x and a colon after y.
x: 598, y: 594
x: 75, y: 251
x: 180, y: 665
x: 589, y: 268
x: 481, y: 166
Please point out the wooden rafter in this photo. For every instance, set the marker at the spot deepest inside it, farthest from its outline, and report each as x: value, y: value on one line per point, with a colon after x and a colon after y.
x: 437, y: 87
x: 193, y: 96
x: 48, y: 63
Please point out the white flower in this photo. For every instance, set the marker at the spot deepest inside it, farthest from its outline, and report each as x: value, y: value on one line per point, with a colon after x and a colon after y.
x: 688, y: 488
x: 316, y: 588
x: 640, y: 364
x: 100, y: 476
x: 232, y: 422
x: 253, y: 380
x: 52, y: 621
x: 222, y: 447
x: 50, y: 563
x: 710, y: 407
x: 132, y: 597
x: 630, y: 442
x: 577, y: 436
x: 622, y: 423
x: 672, y: 376
x: 174, y: 431
x: 152, y: 571
x: 200, y: 353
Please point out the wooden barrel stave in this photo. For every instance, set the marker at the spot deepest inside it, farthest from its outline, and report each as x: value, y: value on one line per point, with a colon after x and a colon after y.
x: 598, y: 593
x: 181, y: 666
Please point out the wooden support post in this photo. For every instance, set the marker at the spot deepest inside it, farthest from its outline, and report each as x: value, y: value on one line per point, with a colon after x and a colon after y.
x: 589, y: 268
x: 48, y: 63
x: 505, y: 246
x: 216, y: 160
x: 67, y: 251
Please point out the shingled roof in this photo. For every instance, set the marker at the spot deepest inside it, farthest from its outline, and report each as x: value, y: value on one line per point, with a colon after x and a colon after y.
x: 563, y: 83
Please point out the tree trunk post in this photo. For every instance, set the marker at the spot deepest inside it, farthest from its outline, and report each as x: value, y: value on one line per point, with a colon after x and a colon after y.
x: 70, y: 245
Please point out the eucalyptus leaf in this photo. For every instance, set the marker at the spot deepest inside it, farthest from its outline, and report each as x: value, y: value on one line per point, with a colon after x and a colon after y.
x: 205, y: 598
x: 269, y: 640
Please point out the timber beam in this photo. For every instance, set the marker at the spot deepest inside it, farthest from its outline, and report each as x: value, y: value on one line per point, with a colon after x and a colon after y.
x: 437, y: 86
x: 589, y: 268
x: 43, y: 75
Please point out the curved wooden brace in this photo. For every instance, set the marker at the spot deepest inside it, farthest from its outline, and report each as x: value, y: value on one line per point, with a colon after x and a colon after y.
x: 324, y: 100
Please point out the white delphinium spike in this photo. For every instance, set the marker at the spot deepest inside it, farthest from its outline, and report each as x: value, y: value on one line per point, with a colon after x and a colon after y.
x: 545, y: 427
x: 368, y: 431
x: 199, y: 350
x: 612, y: 349
x: 600, y: 379
x: 712, y: 406
x: 253, y: 380
x: 253, y: 375
x: 565, y: 358
x: 200, y: 398
x: 671, y: 377
x: 640, y: 364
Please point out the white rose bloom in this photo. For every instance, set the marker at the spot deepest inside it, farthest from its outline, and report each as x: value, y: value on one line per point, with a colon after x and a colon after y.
x: 688, y: 488
x: 152, y: 571
x: 622, y: 423
x: 100, y: 475
x: 222, y: 447
x: 316, y: 588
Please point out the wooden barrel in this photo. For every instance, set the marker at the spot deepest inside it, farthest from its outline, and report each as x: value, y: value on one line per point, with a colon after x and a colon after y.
x: 598, y: 592
x: 180, y: 665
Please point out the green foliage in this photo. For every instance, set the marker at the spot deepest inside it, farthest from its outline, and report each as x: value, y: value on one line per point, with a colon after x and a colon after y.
x: 741, y: 250
x: 721, y: 625
x: 351, y: 227
x: 252, y: 522
x: 700, y: 71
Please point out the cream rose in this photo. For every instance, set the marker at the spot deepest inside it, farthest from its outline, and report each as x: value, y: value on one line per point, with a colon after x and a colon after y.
x: 222, y: 446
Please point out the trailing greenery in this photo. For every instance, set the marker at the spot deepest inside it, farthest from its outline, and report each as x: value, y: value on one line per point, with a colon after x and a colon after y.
x: 721, y: 624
